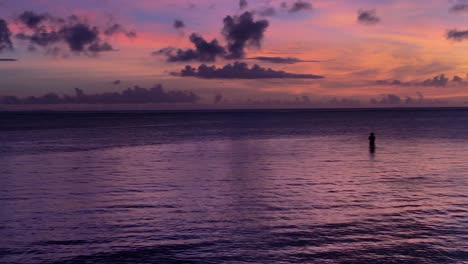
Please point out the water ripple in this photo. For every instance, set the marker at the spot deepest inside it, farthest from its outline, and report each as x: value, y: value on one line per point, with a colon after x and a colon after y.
x: 259, y: 188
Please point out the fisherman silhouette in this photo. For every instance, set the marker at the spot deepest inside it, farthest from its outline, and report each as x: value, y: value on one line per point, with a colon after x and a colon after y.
x: 372, y: 142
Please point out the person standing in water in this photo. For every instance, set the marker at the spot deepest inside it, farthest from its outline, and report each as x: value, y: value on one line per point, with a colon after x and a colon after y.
x: 372, y: 142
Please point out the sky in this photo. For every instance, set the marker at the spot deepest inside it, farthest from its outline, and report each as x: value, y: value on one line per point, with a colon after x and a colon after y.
x: 234, y: 53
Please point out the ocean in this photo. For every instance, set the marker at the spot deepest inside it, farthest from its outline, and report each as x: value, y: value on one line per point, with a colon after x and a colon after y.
x: 264, y: 186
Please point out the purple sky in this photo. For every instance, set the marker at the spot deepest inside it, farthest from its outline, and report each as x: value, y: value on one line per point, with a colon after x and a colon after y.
x: 230, y: 52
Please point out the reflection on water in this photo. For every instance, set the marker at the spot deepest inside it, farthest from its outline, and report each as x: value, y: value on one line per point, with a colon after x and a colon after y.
x: 236, y: 193
x: 372, y: 155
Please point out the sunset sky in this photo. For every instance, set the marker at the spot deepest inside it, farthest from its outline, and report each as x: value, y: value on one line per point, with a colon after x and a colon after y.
x: 387, y: 51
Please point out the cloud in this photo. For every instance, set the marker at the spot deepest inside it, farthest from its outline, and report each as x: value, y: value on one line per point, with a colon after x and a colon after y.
x: 116, y: 82
x: 281, y: 60
x: 393, y: 82
x: 51, y: 32
x: 457, y: 79
x: 344, y: 102
x: 243, y: 4
x: 393, y: 99
x: 266, y: 11
x: 459, y: 7
x: 80, y: 35
x: 240, y: 70
x: 5, y: 36
x: 178, y: 24
x: 241, y: 31
x: 389, y: 99
x: 368, y: 17
x: 135, y: 95
x: 31, y: 19
x: 437, y: 81
x: 297, y: 6
x: 457, y: 35
x: 204, y: 51
x: 116, y: 29
x: 100, y: 47
x: 43, y: 39
x: 7, y: 59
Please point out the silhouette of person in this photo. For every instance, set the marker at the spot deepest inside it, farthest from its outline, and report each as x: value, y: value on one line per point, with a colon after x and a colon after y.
x: 372, y: 142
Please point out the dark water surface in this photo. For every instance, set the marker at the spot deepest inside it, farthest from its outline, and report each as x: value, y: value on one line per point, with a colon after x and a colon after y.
x: 234, y: 187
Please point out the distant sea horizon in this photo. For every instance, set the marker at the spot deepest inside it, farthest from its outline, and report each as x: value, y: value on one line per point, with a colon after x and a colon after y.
x: 214, y: 109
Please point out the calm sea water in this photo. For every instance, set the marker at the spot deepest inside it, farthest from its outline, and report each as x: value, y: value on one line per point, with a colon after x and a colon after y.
x: 234, y: 187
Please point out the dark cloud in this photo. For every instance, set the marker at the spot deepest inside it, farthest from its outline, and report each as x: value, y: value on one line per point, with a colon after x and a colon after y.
x: 100, y: 47
x: 243, y: 4
x: 135, y: 95
x: 43, y: 28
x: 281, y: 60
x: 459, y: 7
x: 204, y: 51
x: 43, y: 39
x: 344, y: 102
x: 396, y: 100
x: 79, y: 36
x: 437, y: 81
x: 240, y: 70
x: 116, y: 29
x: 116, y: 82
x: 241, y: 31
x: 297, y: 6
x: 32, y: 20
x: 266, y: 11
x: 457, y: 35
x: 7, y: 59
x: 50, y: 32
x: 457, y: 79
x: 303, y: 101
x: 389, y: 99
x: 178, y: 24
x: 131, y: 34
x: 368, y: 17
x: 5, y: 36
